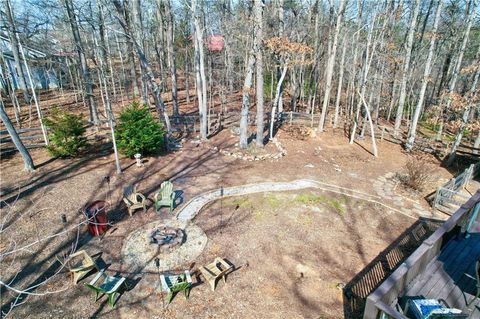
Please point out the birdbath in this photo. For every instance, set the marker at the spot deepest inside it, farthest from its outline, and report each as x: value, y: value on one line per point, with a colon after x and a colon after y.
x: 138, y: 158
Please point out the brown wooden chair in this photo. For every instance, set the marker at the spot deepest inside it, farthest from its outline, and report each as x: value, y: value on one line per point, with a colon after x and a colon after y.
x: 214, y: 271
x: 79, y: 264
x: 133, y: 199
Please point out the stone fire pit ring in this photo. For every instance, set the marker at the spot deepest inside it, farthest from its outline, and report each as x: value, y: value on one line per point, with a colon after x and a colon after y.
x: 139, y: 249
x: 167, y: 238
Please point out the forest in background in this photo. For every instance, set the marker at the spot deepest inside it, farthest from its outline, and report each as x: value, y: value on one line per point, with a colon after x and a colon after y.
x: 355, y: 64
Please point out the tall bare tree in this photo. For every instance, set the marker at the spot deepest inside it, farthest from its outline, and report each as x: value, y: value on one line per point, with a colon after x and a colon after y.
x: 150, y: 78
x: 82, y: 60
x: 171, y: 53
x: 13, y: 37
x: 27, y: 159
x: 426, y: 76
x: 330, y: 65
x: 199, y: 64
x: 406, y: 66
x: 258, y: 45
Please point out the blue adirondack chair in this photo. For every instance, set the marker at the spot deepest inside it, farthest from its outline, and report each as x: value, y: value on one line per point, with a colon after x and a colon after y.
x: 165, y: 197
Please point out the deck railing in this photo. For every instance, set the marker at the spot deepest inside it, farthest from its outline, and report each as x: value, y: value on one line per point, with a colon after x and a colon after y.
x: 380, y: 303
x: 448, y: 194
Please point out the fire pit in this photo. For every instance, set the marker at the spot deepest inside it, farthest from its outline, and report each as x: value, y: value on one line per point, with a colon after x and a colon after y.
x: 174, y: 242
x: 166, y: 237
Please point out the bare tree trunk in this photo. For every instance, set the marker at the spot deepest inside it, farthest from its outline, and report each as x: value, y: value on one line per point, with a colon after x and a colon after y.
x: 369, y: 52
x: 103, y: 42
x: 160, y: 44
x: 340, y: 82
x: 229, y: 74
x: 139, y: 36
x: 27, y: 159
x: 34, y: 94
x: 258, y: 40
x: 372, y: 130
x: 426, y: 76
x: 152, y: 84
x: 353, y: 74
x: 171, y: 55
x: 316, y: 61
x: 130, y: 53
x: 466, y: 113
x: 246, y: 101
x: 330, y: 65
x: 200, y: 71
x: 10, y: 88
x: 87, y: 80
x: 276, y: 101
x: 458, y: 64
x: 13, y: 36
x: 110, y: 116
x: 187, y: 76
x: 406, y: 67
x: 281, y: 31
x: 124, y: 75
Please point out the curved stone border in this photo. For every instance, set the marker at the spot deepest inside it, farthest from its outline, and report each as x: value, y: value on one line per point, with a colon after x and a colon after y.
x: 281, y: 152
x: 192, y: 207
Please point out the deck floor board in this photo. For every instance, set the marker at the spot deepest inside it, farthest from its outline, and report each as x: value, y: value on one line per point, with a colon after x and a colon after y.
x: 444, y: 278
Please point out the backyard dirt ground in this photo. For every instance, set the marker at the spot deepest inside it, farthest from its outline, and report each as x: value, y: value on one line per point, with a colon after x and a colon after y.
x: 290, y: 254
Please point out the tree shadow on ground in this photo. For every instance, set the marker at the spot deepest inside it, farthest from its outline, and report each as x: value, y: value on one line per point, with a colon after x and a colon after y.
x: 32, y: 273
x: 56, y: 175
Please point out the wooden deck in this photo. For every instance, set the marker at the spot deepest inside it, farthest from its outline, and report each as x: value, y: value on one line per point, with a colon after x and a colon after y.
x: 444, y: 278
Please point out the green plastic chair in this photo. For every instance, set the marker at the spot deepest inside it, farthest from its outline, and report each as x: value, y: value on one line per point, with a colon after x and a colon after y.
x: 176, y: 283
x: 109, y: 285
x: 165, y: 197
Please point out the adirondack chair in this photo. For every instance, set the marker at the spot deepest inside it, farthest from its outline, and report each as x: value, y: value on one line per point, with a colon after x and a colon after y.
x: 133, y: 199
x: 165, y: 197
x: 214, y: 271
x: 477, y: 284
x: 108, y: 285
x: 79, y: 264
x: 176, y: 283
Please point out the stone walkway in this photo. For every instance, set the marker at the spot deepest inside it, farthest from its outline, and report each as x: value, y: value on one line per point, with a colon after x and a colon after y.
x: 191, y: 208
x: 385, y: 187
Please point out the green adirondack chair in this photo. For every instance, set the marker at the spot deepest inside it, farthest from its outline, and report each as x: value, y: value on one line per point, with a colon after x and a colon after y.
x: 176, y: 283
x: 165, y: 197
x: 108, y: 285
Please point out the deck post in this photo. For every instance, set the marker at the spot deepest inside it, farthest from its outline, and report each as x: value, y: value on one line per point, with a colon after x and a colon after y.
x: 472, y: 219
